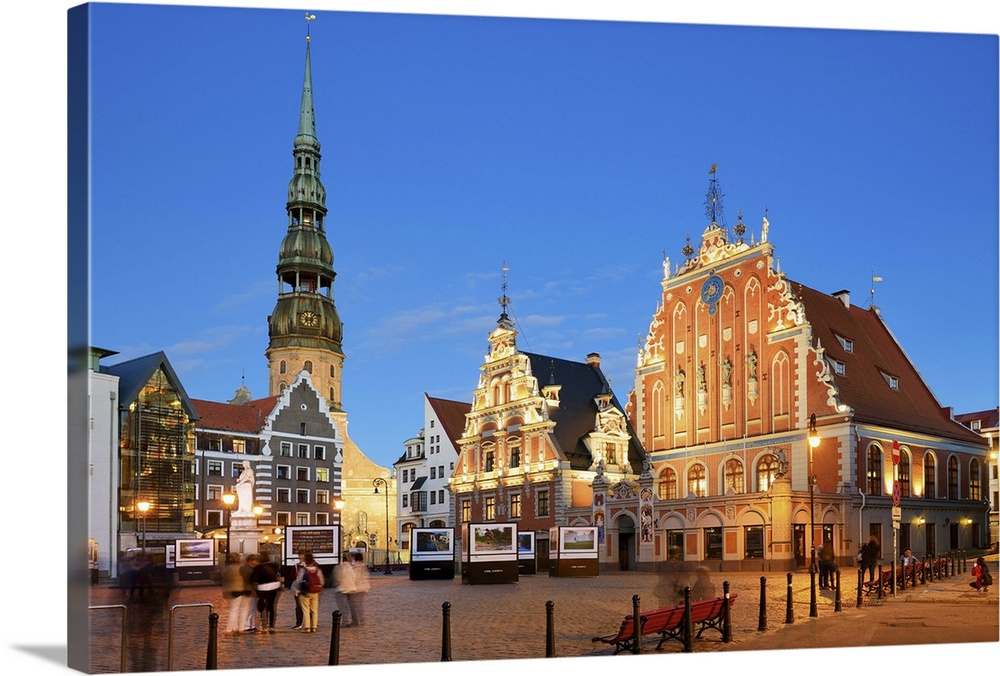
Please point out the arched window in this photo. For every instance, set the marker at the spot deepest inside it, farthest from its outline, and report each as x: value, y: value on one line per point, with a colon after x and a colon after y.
x: 515, y: 453
x: 874, y: 474
x: 952, y: 478
x: 333, y: 371
x: 930, y: 472
x: 658, y: 402
x: 308, y: 366
x: 488, y: 458
x: 974, y: 480
x: 733, y: 476
x: 904, y: 473
x: 666, y: 489
x: 767, y: 469
x: 281, y: 367
x: 331, y: 394
x: 696, y: 481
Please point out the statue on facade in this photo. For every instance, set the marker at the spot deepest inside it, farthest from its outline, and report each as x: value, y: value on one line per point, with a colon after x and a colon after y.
x: 244, y: 490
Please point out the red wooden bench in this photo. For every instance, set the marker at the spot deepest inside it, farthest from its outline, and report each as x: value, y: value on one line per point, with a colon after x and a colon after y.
x: 884, y: 580
x: 668, y: 623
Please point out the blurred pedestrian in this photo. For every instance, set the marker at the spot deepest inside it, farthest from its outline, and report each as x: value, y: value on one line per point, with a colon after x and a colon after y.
x: 296, y: 574
x: 310, y: 586
x: 235, y: 592
x: 266, y: 581
x: 246, y: 570
x: 704, y: 587
x: 361, y: 585
x: 870, y: 555
x: 827, y: 566
x: 343, y: 578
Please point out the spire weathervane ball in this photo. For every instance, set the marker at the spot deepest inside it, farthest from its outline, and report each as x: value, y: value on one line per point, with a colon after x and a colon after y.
x: 309, y: 18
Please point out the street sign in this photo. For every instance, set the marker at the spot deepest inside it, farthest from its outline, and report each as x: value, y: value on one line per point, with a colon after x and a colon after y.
x: 897, y: 513
x: 895, y: 452
x: 895, y: 525
x: 897, y: 493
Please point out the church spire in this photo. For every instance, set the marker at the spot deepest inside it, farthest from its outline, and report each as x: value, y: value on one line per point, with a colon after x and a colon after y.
x: 305, y: 330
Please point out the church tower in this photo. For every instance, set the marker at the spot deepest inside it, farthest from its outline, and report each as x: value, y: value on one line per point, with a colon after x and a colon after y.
x: 304, y: 329
x: 305, y: 332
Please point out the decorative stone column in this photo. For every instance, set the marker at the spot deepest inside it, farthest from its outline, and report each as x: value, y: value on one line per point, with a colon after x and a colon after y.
x: 781, y: 552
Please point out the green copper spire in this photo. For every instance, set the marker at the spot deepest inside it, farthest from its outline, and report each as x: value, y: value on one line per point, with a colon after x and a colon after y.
x: 307, y: 114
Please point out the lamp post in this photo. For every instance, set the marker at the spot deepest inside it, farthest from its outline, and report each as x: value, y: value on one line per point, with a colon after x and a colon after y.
x: 376, y: 482
x: 228, y: 499
x: 813, y: 443
x: 143, y: 507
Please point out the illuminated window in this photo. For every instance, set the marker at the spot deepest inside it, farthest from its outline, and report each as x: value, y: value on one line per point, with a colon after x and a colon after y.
x: 974, y: 480
x: 930, y: 472
x: 696, y: 481
x: 542, y: 502
x: 874, y: 473
x: 734, y: 475
x: 666, y: 489
x: 767, y: 470
x: 489, y: 508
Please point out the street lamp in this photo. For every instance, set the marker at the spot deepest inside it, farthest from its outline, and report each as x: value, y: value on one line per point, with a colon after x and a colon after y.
x: 257, y: 511
x: 228, y: 499
x: 376, y: 482
x: 813, y: 443
x: 143, y: 507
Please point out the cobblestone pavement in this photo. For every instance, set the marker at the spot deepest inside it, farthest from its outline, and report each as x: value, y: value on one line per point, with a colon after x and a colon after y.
x: 404, y: 620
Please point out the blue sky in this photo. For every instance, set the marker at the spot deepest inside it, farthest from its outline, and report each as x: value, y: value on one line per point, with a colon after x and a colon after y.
x: 575, y: 151
x: 879, y: 155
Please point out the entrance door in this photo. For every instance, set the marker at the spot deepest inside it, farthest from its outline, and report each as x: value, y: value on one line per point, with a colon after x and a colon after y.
x: 626, y: 543
x: 799, y: 543
x: 953, y: 535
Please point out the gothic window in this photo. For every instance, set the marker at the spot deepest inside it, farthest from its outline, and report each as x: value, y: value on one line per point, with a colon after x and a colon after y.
x: 930, y: 485
x: 734, y: 476
x: 904, y: 473
x: 953, y: 478
x: 281, y: 367
x: 767, y: 469
x: 974, y: 480
x: 696, y: 481
x: 780, y: 384
x: 666, y: 488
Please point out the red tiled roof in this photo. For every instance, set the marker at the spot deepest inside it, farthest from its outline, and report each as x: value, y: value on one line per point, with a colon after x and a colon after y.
x: 876, y: 352
x: 451, y: 414
x: 988, y: 419
x: 249, y: 417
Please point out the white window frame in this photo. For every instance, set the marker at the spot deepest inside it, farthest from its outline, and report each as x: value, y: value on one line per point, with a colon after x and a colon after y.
x: 286, y: 449
x: 301, y: 518
x: 322, y: 475
x: 319, y: 452
x: 322, y: 497
x: 211, y: 489
x: 287, y: 469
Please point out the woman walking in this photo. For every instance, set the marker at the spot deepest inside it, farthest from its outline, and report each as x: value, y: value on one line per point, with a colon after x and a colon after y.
x: 267, y: 581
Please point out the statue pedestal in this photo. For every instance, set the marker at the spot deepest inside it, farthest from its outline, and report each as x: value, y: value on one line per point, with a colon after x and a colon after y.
x: 244, y: 535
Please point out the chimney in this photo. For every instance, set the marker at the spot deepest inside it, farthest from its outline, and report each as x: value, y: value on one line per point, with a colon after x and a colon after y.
x: 594, y: 360
x: 844, y: 296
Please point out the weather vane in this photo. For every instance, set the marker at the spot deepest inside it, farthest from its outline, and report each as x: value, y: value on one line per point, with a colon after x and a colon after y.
x: 504, y: 300
x: 309, y: 18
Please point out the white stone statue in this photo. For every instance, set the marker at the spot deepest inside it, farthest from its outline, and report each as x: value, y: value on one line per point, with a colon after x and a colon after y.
x: 244, y: 490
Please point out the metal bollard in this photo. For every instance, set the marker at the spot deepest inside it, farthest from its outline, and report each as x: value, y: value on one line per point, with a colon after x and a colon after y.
x: 789, y: 615
x: 550, y: 631
x: 636, y: 626
x: 892, y: 577
x: 902, y: 578
x: 762, y: 616
x: 812, y: 592
x: 861, y: 582
x: 446, y: 632
x: 212, y: 658
x: 688, y: 624
x: 965, y: 561
x: 954, y: 560
x: 879, y: 583
x: 334, y: 658
x: 727, y: 620
x: 836, y: 602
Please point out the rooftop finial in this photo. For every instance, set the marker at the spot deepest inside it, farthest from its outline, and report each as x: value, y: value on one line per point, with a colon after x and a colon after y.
x: 503, y: 299
x: 713, y: 200
x: 309, y: 18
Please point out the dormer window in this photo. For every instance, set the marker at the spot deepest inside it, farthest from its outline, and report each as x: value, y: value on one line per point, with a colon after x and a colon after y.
x: 845, y: 343
x: 839, y: 367
x: 890, y: 380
